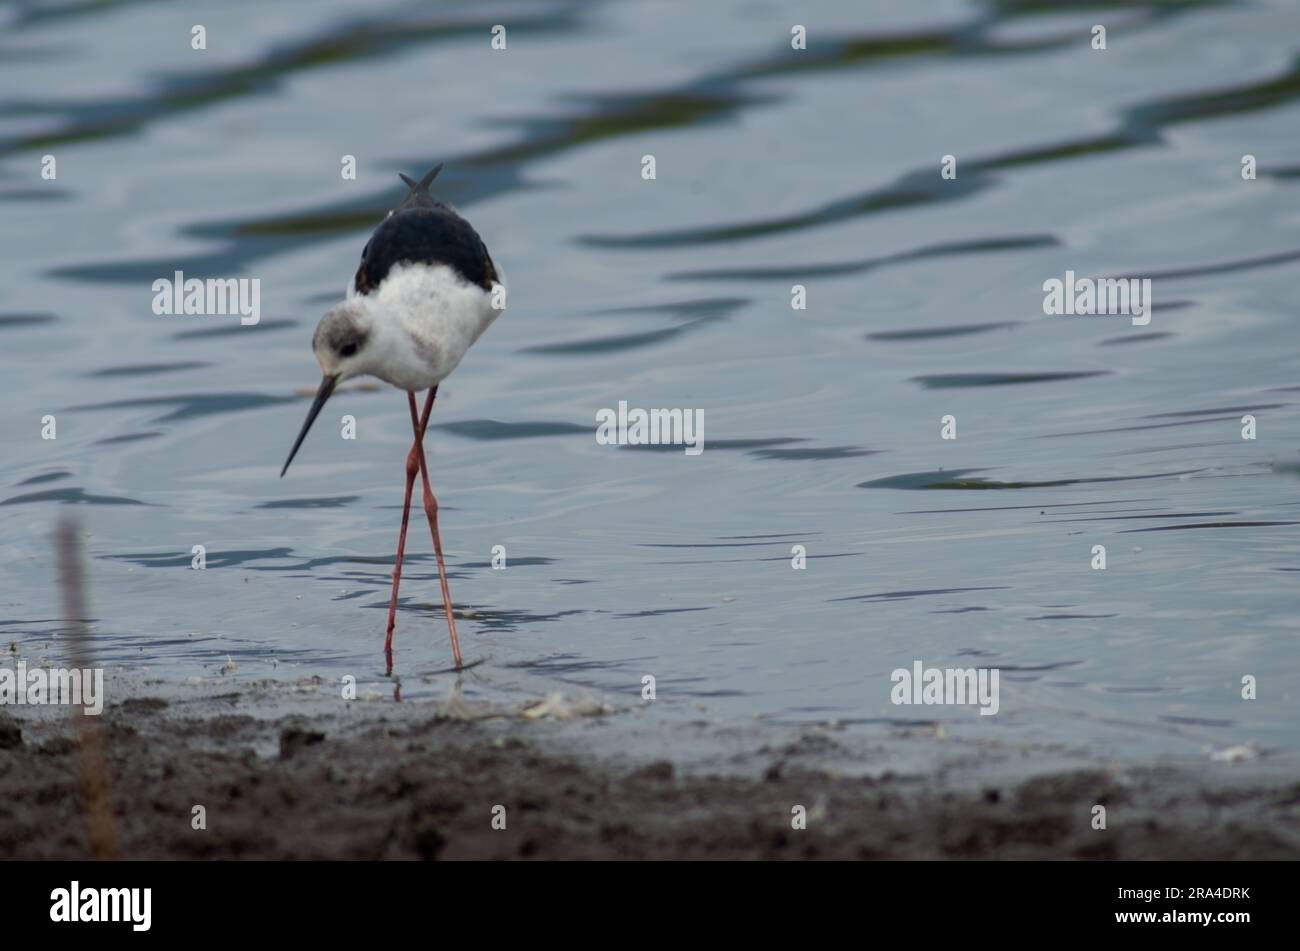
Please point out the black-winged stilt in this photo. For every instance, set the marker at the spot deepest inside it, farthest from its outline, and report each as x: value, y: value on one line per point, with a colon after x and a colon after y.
x: 425, y: 291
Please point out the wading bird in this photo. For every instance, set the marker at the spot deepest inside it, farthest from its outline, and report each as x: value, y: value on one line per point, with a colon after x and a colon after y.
x: 425, y: 291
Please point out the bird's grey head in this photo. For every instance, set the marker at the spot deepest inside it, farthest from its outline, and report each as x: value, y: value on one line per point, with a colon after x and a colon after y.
x: 344, y: 345
x: 342, y: 340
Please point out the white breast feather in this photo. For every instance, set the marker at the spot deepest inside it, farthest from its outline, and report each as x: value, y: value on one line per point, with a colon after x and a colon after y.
x: 426, y: 318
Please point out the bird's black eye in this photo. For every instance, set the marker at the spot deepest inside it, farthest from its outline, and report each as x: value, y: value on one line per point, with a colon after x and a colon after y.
x: 348, y: 350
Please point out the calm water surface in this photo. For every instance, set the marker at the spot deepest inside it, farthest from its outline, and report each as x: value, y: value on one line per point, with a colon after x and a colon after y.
x: 775, y: 167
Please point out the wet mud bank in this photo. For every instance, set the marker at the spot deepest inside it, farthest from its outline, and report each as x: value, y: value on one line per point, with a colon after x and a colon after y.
x: 422, y: 786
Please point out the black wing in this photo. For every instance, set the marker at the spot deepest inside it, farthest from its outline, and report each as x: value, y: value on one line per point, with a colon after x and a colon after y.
x: 424, y: 231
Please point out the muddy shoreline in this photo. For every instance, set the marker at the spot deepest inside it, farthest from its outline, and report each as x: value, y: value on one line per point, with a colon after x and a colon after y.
x: 423, y: 785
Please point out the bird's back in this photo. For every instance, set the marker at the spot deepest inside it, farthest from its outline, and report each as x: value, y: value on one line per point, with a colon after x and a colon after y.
x: 424, y: 231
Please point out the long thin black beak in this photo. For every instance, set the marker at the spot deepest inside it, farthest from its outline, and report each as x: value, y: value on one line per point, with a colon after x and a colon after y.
x: 327, y: 384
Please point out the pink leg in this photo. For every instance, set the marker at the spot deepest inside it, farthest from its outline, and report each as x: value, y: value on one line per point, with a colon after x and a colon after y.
x: 431, y: 509
x: 412, y: 467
